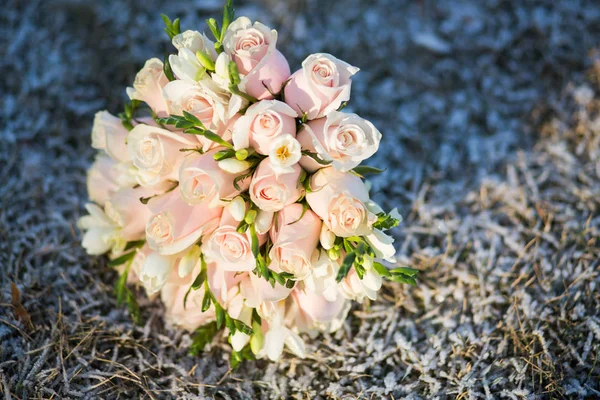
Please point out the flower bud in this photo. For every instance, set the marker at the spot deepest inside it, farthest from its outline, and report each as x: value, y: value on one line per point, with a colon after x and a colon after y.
x: 234, y: 166
x: 327, y: 238
x: 264, y: 221
x: 188, y: 261
x: 333, y: 253
x: 237, y: 208
x: 250, y: 217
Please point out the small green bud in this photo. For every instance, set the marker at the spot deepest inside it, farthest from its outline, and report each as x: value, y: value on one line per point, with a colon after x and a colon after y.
x: 333, y: 253
x: 205, y: 60
x: 241, y: 154
x: 250, y: 217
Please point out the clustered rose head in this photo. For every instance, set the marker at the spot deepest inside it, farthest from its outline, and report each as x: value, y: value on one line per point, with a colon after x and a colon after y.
x: 259, y: 198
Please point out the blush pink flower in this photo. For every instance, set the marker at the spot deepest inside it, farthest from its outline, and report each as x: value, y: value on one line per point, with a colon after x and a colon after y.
x: 148, y: 87
x: 345, y: 139
x: 340, y: 199
x: 295, y: 238
x: 109, y: 135
x: 320, y: 87
x: 202, y: 181
x: 262, y: 123
x: 175, y: 225
x: 272, y: 192
x: 253, y: 48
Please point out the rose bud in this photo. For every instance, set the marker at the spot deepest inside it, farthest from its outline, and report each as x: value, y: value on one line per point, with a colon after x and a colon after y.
x: 271, y: 192
x: 109, y: 134
x: 345, y: 139
x: 340, y: 199
x: 252, y: 47
x: 262, y: 123
x: 294, y: 240
x: 148, y: 87
x: 320, y: 87
x: 175, y: 225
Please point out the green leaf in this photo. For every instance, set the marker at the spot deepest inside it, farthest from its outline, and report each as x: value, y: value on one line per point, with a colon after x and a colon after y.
x: 206, y: 300
x: 228, y: 15
x: 242, y: 327
x: 203, y: 336
x: 220, y: 314
x: 381, y: 269
x: 255, y: 244
x: 345, y: 267
x: 385, y: 222
x: 167, y: 69
x: 238, y: 179
x: 205, y: 60
x: 213, y: 25
x: 224, y: 154
x: 316, y: 157
x: 403, y: 279
x: 342, y: 106
x: 363, y: 170
x: 134, y: 245
x: 122, y: 259
x: 193, y: 119
x: 411, y: 272
x: 217, y: 139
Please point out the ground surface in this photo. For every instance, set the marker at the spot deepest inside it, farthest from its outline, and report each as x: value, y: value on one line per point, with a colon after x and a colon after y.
x: 491, y: 135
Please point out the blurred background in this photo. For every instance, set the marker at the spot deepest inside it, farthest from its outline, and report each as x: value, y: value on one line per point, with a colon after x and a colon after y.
x: 490, y: 137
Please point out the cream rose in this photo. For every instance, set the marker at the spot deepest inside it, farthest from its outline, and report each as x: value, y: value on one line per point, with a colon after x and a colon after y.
x: 344, y: 139
x: 108, y: 134
x: 320, y: 87
x: 175, y: 225
x: 231, y: 250
x: 340, y: 199
x: 271, y: 192
x: 148, y: 86
x: 262, y: 123
x: 295, y: 238
x: 155, y: 152
x: 201, y: 180
x: 252, y: 48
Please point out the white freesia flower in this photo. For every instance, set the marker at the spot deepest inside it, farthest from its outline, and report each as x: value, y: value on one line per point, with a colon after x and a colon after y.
x: 285, y: 152
x: 189, y: 261
x: 155, y: 272
x: 382, y: 244
x: 100, y: 232
x: 195, y: 41
x: 186, y: 66
x: 278, y: 334
x: 354, y: 288
x: 322, y: 280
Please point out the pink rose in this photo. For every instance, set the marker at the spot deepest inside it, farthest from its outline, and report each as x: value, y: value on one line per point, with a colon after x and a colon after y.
x: 103, y: 179
x: 315, y: 312
x: 340, y: 199
x: 345, y: 139
x: 200, y: 99
x: 252, y: 47
x: 320, y: 87
x: 175, y: 225
x: 229, y: 249
x: 155, y: 153
x: 202, y: 181
x: 262, y: 123
x: 128, y: 213
x: 148, y: 87
x: 190, y: 316
x: 271, y: 192
x: 295, y: 237
x: 108, y: 134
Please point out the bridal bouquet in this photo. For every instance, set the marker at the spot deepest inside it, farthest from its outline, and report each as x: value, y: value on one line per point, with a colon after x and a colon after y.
x: 232, y: 188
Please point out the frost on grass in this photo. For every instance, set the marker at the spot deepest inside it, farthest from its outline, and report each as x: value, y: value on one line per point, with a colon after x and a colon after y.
x: 493, y: 157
